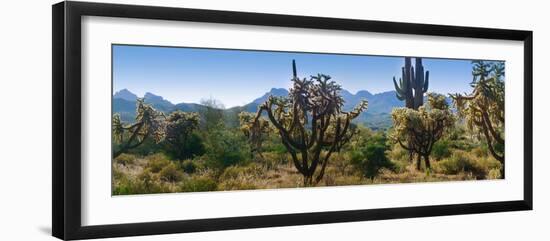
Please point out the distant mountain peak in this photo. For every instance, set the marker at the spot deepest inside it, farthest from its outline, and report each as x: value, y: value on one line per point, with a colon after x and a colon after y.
x: 158, y: 101
x: 278, y: 92
x: 151, y: 95
x: 125, y: 94
x: 363, y: 93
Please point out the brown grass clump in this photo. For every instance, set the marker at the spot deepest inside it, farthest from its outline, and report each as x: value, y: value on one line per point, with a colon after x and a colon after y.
x: 170, y: 173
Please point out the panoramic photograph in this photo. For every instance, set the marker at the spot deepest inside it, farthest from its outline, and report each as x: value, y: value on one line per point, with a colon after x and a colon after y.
x: 199, y: 119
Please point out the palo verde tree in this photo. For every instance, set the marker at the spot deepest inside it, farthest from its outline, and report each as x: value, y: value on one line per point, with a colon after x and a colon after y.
x: 412, y: 84
x: 256, y: 131
x: 148, y: 123
x: 483, y: 109
x: 311, y: 122
x: 418, y: 130
x: 180, y: 138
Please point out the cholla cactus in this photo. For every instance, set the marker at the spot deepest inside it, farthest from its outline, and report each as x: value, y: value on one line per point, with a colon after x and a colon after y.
x: 179, y: 129
x: 311, y: 122
x: 255, y: 130
x: 483, y: 109
x: 149, y: 123
x: 418, y: 130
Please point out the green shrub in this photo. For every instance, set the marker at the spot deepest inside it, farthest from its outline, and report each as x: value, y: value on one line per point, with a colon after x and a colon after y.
x: 441, y: 150
x: 149, y: 146
x: 369, y: 153
x: 226, y: 148
x: 170, y: 173
x: 192, y: 146
x: 156, y: 162
x: 125, y: 159
x: 198, y: 184
x: 189, y: 166
x: 371, y: 159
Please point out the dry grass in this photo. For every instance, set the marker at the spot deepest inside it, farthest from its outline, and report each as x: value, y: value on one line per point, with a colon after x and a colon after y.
x: 156, y: 174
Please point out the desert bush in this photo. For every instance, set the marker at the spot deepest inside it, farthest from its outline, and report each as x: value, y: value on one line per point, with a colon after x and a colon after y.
x: 156, y: 162
x: 225, y: 148
x: 117, y: 174
x: 494, y: 174
x: 399, y: 157
x: 181, y: 140
x: 145, y: 183
x: 370, y: 156
x: 458, y: 162
x: 191, y: 147
x: 272, y: 159
x: 461, y: 161
x: 441, y: 150
x: 371, y: 159
x: 149, y: 147
x: 125, y: 159
x: 241, y: 177
x: 198, y: 184
x: 480, y: 151
x: 341, y: 162
x: 236, y: 184
x: 189, y: 166
x: 233, y: 172
x: 170, y: 173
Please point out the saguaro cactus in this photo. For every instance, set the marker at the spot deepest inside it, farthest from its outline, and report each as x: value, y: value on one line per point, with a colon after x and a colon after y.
x: 404, y: 90
x: 412, y: 84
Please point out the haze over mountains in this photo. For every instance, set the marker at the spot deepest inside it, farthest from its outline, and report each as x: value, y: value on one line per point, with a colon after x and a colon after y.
x: 377, y: 115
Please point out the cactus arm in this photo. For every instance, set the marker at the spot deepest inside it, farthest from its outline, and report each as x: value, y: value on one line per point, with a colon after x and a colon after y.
x: 403, y: 80
x: 294, y: 68
x: 399, y: 97
x: 399, y: 92
x: 426, y: 82
x: 397, y: 88
x: 413, y: 79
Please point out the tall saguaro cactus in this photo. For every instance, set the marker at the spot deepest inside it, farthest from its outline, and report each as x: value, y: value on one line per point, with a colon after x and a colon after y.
x: 404, y: 90
x: 413, y: 83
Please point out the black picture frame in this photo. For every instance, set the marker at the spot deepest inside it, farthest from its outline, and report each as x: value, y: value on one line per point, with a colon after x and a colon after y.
x: 66, y: 75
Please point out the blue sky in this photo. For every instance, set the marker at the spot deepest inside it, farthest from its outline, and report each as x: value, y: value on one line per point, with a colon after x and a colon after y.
x: 237, y: 77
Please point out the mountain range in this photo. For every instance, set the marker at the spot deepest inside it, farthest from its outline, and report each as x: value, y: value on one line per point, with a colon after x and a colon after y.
x: 377, y: 115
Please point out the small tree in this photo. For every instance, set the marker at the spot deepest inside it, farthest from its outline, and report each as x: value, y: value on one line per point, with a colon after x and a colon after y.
x: 181, y: 139
x: 483, y: 109
x: 211, y: 113
x: 311, y: 122
x: 148, y: 123
x: 418, y: 130
x: 369, y: 156
x: 255, y: 130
